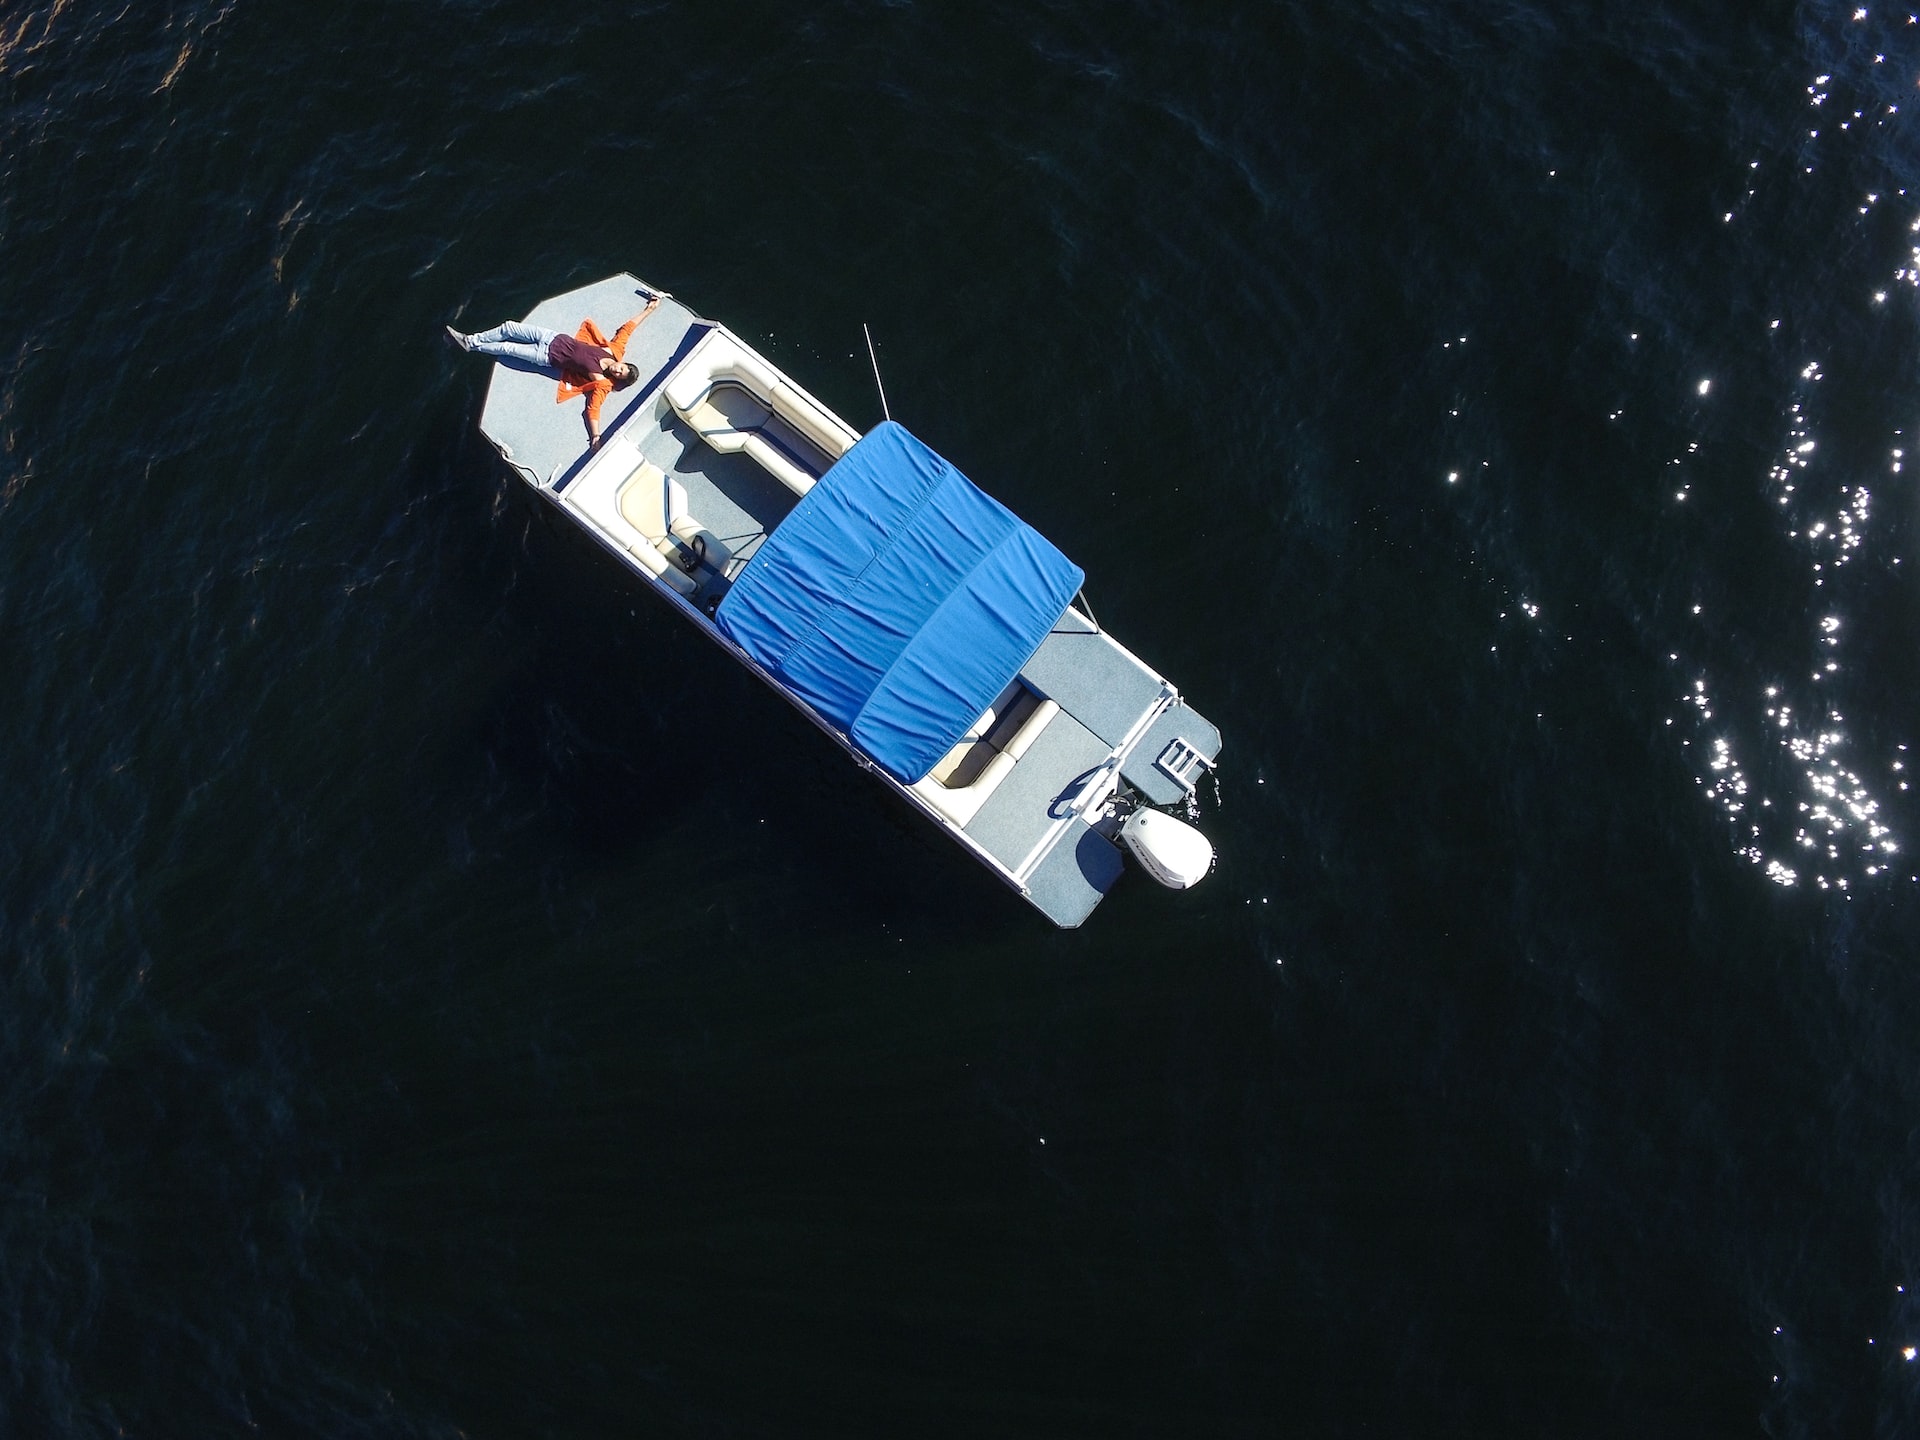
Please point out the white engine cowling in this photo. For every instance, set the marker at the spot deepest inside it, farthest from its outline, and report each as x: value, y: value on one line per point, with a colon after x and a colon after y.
x: 1170, y: 850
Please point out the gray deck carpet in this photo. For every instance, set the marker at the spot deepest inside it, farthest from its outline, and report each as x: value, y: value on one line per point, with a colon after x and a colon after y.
x: 1092, y: 679
x: 1075, y: 875
x: 1016, y: 815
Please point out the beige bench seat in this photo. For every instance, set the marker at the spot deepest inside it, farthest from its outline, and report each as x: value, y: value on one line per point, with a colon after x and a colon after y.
x: 737, y: 403
x: 972, y: 770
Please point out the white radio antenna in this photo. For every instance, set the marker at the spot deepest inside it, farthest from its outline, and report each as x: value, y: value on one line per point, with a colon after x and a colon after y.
x: 876, y: 371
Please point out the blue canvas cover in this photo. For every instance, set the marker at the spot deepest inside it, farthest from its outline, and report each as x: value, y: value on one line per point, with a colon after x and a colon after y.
x: 898, y: 600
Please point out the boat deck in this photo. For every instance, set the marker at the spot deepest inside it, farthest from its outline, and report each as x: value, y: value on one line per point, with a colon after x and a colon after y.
x: 546, y: 440
x: 1116, y: 717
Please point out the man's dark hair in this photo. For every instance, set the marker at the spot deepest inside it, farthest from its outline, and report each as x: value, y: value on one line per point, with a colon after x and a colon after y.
x: 629, y: 373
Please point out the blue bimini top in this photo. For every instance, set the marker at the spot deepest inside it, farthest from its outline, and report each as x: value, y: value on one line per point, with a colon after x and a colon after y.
x: 898, y: 600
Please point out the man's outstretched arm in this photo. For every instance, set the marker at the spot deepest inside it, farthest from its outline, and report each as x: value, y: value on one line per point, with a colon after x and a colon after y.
x: 619, y: 344
x: 596, y: 392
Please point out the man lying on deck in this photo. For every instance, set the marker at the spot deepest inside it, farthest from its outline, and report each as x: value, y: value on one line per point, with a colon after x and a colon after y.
x: 588, y: 362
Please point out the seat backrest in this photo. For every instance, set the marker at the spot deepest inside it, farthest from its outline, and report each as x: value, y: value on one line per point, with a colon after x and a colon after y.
x: 651, y: 502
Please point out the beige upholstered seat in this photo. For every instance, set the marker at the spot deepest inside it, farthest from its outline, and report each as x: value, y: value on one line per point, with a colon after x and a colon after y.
x: 656, y: 506
x: 650, y: 502
x: 970, y: 772
x: 736, y: 402
x: 727, y: 414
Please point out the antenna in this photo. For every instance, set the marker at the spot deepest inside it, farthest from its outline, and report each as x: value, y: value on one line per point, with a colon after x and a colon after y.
x: 876, y: 371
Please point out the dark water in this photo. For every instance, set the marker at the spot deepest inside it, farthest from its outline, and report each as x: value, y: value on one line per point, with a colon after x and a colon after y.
x: 443, y: 998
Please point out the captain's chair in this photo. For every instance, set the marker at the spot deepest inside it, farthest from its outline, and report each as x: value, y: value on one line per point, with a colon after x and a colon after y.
x: 656, y: 506
x: 634, y: 503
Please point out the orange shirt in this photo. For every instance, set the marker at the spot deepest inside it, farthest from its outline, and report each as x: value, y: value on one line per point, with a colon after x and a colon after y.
x: 597, y: 387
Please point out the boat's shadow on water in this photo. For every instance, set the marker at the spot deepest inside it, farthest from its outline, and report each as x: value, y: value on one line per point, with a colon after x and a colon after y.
x: 641, y: 736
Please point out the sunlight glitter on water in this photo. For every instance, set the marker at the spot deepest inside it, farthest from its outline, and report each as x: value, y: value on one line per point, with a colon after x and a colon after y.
x: 1824, y: 821
x: 1834, y: 827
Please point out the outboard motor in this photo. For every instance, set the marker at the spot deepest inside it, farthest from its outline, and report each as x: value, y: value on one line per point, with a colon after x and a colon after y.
x: 1170, y: 850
